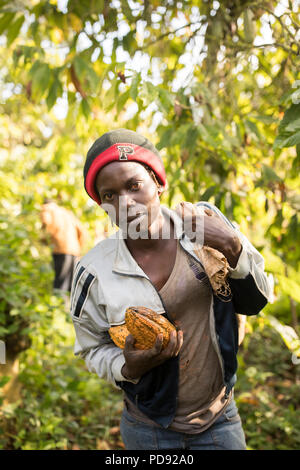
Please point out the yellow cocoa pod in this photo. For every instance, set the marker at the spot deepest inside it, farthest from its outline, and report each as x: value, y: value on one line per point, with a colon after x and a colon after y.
x: 119, y: 334
x: 145, y: 324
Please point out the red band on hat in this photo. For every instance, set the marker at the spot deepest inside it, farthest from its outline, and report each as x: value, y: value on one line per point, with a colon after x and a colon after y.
x: 122, y: 152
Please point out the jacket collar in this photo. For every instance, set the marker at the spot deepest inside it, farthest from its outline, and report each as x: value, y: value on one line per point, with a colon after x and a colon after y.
x: 124, y: 262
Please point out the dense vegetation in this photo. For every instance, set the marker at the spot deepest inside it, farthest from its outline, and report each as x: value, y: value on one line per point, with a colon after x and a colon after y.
x: 216, y: 86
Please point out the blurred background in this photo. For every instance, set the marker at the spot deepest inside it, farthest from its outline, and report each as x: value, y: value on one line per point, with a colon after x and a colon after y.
x: 216, y: 87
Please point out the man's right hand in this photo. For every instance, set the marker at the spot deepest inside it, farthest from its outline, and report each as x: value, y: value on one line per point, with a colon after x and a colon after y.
x: 138, y: 362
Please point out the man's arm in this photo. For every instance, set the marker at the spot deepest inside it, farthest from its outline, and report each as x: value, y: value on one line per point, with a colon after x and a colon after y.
x: 93, y: 342
x: 250, y: 286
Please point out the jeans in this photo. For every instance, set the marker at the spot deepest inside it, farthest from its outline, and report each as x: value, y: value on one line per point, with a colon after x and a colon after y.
x: 226, y: 433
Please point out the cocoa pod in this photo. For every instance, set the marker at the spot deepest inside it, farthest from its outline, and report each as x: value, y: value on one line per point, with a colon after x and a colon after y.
x: 119, y: 334
x: 144, y: 324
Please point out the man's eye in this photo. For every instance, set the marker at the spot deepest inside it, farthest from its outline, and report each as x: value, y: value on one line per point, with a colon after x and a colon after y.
x: 107, y: 196
x: 135, y: 186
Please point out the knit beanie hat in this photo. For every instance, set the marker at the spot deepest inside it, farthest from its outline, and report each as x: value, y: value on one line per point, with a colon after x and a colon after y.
x: 120, y: 145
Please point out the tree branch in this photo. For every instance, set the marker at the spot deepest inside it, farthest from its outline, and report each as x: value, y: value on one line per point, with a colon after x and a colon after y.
x: 162, y: 36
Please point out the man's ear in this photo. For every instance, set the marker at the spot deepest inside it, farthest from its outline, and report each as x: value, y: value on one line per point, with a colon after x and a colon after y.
x: 162, y: 188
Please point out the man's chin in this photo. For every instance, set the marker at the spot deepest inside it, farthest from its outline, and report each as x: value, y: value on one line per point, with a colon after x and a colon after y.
x: 138, y: 227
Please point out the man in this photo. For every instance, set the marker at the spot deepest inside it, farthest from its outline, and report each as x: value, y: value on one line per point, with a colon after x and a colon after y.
x: 67, y: 240
x: 180, y: 396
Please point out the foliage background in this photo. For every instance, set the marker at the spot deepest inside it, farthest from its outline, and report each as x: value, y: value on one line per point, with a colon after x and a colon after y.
x: 216, y: 86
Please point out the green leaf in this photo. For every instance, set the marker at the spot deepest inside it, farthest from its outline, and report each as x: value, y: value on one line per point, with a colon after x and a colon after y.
x: 126, y: 10
x: 129, y: 41
x: 148, y: 93
x: 134, y: 86
x: 208, y: 193
x: 293, y: 140
x: 166, y: 100
x: 268, y: 174
x: 55, y: 91
x: 191, y: 137
x: 165, y: 138
x: 111, y: 96
x: 86, y: 73
x: 5, y: 21
x: 291, y: 114
x: 122, y: 100
x: 40, y: 73
x: 184, y: 189
x: 178, y: 136
x: 80, y: 66
x: 85, y: 108
x: 293, y: 126
x: 14, y: 29
x: 282, y: 141
x: 249, y: 26
x: 206, y: 135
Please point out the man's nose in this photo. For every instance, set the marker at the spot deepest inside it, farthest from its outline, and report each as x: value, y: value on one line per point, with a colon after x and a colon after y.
x: 126, y: 200
x: 126, y: 203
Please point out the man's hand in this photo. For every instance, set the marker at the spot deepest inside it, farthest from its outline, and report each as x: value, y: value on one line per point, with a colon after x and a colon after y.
x: 214, y: 231
x: 138, y: 362
x: 218, y: 235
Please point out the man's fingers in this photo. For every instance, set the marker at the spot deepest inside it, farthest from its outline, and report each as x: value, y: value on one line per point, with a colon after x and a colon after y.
x: 179, y: 342
x: 129, y: 342
x: 157, y: 345
x: 170, y: 350
x: 208, y: 212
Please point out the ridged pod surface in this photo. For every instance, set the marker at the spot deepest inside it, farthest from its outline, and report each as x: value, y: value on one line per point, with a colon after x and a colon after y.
x: 119, y: 334
x: 144, y: 324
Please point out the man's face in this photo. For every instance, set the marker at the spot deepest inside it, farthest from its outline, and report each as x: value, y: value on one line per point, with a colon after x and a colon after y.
x: 128, y: 194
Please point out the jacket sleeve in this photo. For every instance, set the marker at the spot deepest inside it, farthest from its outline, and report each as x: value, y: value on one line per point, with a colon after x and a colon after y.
x: 92, y: 342
x: 251, y: 287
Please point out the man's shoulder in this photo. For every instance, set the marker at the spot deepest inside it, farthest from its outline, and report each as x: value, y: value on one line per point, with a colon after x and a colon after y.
x: 102, y: 250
